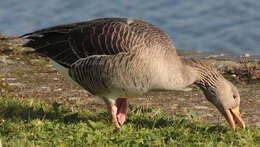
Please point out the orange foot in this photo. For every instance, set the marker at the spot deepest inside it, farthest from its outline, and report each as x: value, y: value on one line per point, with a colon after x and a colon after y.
x: 118, y: 112
x: 122, y: 106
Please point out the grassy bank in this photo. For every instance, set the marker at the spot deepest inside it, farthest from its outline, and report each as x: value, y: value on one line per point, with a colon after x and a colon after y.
x: 27, y: 123
x: 29, y: 115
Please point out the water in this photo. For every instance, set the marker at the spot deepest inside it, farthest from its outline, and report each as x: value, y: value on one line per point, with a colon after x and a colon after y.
x: 204, y: 25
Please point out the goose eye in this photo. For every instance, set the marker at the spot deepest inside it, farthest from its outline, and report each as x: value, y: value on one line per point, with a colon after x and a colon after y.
x: 234, y: 96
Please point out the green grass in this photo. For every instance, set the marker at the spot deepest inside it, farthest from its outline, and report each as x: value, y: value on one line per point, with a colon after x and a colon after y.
x: 27, y: 123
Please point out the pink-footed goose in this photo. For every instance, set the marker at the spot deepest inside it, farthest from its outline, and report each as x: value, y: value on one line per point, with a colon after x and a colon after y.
x: 120, y: 58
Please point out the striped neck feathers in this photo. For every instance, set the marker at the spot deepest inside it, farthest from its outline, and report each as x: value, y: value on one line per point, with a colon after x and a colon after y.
x: 208, y: 78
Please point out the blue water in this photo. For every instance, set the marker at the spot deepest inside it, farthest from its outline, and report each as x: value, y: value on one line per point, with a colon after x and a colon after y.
x: 204, y: 25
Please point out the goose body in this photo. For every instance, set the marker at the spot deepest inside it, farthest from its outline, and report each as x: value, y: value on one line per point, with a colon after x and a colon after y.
x: 120, y: 58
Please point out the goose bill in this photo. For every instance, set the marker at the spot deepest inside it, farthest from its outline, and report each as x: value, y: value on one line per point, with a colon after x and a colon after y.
x: 233, y: 115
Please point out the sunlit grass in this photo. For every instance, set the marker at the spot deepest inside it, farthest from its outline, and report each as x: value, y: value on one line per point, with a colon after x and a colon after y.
x: 25, y: 123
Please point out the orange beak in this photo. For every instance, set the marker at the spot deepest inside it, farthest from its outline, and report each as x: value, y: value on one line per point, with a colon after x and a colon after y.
x: 234, y: 115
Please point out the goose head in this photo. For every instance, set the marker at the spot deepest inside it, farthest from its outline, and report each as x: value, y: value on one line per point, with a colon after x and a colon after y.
x: 225, y: 96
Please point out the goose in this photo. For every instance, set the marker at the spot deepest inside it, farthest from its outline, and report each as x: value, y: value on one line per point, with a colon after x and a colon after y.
x: 120, y: 58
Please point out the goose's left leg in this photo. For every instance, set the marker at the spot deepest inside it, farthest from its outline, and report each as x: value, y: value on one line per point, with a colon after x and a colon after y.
x: 122, y: 108
x: 112, y: 111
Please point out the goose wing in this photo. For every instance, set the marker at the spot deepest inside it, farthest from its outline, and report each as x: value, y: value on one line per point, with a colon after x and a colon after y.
x: 66, y: 44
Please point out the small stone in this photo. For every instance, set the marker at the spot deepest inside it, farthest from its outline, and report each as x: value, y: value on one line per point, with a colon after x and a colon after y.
x: 11, y: 79
x: 56, y: 79
x: 56, y: 90
x: 233, y: 75
x: 5, y: 60
x: 15, y: 84
x: 209, y: 115
x: 181, y: 99
x: 204, y: 102
x: 49, y: 65
x: 46, y: 88
x: 201, y: 107
x: 73, y: 99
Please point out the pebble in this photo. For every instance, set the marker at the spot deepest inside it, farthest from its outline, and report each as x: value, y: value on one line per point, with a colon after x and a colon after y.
x: 56, y: 79
x: 73, y: 99
x: 5, y: 60
x: 46, y: 88
x: 181, y: 99
x: 201, y: 107
x: 16, y: 84
x: 11, y: 79
x: 209, y: 115
x: 56, y: 90
x: 204, y: 102
x: 233, y: 75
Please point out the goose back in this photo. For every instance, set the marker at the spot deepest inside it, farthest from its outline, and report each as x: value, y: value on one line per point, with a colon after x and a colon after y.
x: 66, y: 44
x: 110, y: 57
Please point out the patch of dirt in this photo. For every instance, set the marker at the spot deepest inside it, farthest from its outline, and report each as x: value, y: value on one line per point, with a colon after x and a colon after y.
x: 24, y: 75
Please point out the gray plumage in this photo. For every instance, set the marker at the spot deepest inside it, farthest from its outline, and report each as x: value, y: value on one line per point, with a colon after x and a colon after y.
x: 111, y: 57
x: 122, y: 58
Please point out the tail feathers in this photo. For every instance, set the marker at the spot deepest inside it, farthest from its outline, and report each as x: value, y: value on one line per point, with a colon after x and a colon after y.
x: 54, y: 45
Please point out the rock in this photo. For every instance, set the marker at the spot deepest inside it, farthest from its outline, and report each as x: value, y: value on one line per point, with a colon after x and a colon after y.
x: 5, y: 60
x: 56, y: 79
x: 209, y: 115
x: 204, y: 102
x: 16, y: 84
x: 181, y: 99
x: 11, y: 79
x: 73, y: 98
x: 46, y: 89
x: 201, y: 107
x: 56, y: 90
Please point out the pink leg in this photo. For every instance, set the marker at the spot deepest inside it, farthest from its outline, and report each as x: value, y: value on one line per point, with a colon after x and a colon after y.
x: 112, y: 111
x: 122, y: 107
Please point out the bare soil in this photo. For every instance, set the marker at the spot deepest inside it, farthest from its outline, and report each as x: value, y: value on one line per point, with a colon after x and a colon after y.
x: 28, y: 76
